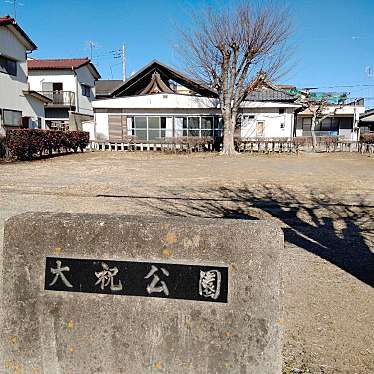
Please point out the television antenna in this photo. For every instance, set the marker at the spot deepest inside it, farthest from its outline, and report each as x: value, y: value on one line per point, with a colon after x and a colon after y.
x: 15, y: 3
x: 369, y: 71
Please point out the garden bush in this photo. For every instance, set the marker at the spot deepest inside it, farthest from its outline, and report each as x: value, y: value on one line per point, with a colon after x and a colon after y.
x: 25, y: 144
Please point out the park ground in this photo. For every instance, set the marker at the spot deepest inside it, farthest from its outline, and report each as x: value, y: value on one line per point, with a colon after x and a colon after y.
x: 323, y: 202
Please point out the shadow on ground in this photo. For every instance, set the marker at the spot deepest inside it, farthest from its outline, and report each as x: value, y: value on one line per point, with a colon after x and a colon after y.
x: 333, y: 230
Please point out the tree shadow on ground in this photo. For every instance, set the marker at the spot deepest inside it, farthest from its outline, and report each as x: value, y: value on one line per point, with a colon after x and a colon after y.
x: 336, y: 231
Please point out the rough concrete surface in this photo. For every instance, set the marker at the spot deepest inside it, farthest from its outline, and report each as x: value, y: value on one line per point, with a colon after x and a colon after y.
x: 60, y: 332
x: 323, y: 202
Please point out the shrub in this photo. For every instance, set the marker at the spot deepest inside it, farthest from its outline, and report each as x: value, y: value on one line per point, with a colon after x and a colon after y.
x: 367, y: 138
x: 25, y: 144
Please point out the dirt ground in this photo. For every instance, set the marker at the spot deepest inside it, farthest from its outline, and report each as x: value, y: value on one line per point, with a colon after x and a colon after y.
x: 323, y: 202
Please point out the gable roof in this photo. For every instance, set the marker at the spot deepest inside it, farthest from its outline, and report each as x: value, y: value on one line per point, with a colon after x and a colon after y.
x: 136, y: 83
x: 142, y: 82
x: 62, y: 64
x: 12, y: 25
x: 104, y: 87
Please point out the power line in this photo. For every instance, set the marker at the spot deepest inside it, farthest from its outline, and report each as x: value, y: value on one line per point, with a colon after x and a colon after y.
x: 339, y: 86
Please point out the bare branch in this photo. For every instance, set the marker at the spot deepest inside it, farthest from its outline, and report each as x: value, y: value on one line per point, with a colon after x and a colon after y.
x: 234, y: 50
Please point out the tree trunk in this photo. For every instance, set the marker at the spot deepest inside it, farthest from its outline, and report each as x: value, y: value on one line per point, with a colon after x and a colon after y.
x: 314, y: 138
x: 228, y: 135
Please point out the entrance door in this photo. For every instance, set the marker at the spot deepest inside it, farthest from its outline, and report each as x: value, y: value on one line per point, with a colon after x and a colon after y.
x: 260, y: 129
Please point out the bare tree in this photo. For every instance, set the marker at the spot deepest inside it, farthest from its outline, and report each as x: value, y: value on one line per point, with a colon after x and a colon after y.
x: 320, y: 109
x: 234, y: 51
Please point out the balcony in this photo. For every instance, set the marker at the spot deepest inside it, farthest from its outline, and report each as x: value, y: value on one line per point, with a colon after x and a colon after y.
x: 60, y: 99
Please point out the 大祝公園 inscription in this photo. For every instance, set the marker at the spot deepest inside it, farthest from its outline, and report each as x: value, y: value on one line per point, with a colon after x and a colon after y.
x: 129, y: 278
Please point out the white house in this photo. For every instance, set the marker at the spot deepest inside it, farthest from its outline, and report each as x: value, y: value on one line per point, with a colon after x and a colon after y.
x: 160, y: 102
x: 70, y: 84
x: 19, y: 106
x: 342, y: 122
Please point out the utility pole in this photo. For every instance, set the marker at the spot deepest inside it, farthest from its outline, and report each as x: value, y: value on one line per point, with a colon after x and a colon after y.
x: 123, y: 62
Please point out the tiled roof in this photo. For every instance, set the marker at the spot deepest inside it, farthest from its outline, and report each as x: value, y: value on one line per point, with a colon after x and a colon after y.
x: 61, y: 64
x: 66, y: 63
x: 269, y: 94
x: 6, y: 20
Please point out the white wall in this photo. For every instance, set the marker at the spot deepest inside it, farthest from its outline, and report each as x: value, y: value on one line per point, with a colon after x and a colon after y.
x: 275, y: 125
x: 89, y: 126
x: 180, y: 105
x: 10, y: 46
x: 71, y: 81
x: 34, y: 109
x: 12, y: 87
x: 101, y: 126
x: 37, y: 77
x: 84, y: 76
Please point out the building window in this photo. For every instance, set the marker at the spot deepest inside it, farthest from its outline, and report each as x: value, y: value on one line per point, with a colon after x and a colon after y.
x: 12, y: 117
x: 197, y: 126
x: 154, y: 128
x: 140, y: 128
x: 150, y: 127
x: 206, y: 126
x: 8, y: 66
x: 281, y: 111
x: 193, y: 127
x: 86, y: 90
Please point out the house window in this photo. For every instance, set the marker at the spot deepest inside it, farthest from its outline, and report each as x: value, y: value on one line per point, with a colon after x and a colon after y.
x: 206, y: 126
x: 140, y: 128
x: 154, y: 128
x: 281, y: 110
x: 86, y: 90
x: 12, y: 117
x: 194, y: 126
x: 8, y: 66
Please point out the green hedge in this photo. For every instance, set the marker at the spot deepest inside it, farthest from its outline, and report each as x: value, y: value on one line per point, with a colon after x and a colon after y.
x: 26, y: 144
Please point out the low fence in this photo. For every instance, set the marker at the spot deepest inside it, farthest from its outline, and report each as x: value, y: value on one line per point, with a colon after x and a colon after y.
x: 191, y: 145
x: 165, y: 145
x: 296, y: 145
x: 281, y: 145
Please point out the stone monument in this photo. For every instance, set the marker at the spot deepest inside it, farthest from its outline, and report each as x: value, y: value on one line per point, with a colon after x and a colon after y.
x: 127, y: 294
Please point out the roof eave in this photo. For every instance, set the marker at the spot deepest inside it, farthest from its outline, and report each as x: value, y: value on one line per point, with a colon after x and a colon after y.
x: 38, y: 96
x: 181, y: 76
x: 28, y: 43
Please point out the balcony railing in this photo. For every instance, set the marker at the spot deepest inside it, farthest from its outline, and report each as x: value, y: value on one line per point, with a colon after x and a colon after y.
x: 63, y: 98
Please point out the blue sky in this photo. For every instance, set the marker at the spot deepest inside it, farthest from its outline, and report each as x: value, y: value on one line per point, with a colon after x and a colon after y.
x: 333, y: 41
